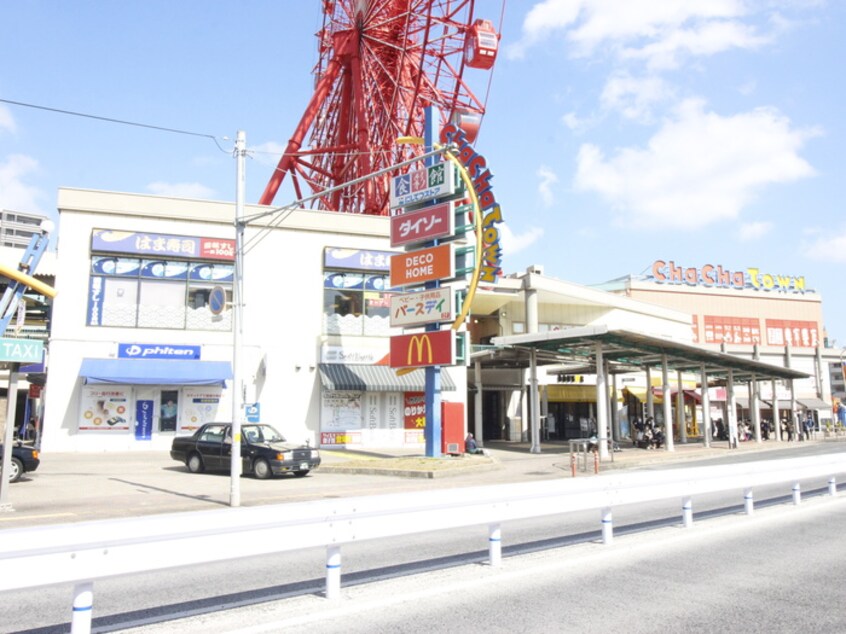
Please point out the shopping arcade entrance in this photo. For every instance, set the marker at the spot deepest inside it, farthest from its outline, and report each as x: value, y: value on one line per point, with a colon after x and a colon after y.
x: 603, y: 351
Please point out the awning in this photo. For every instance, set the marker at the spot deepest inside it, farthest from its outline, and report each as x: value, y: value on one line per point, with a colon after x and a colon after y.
x: 638, y: 392
x: 743, y: 403
x: 571, y: 393
x: 155, y: 372
x: 376, y: 378
x: 813, y: 403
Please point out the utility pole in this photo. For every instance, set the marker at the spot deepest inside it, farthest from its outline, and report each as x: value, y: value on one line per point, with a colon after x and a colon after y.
x: 238, y: 321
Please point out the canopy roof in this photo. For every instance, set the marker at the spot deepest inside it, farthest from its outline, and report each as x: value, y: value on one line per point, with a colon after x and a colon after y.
x: 628, y: 351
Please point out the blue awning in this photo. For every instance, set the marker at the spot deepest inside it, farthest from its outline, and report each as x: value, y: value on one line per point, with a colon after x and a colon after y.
x: 155, y: 372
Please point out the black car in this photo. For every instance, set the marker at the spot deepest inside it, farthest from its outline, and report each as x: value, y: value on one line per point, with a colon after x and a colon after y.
x: 264, y: 452
x: 24, y: 459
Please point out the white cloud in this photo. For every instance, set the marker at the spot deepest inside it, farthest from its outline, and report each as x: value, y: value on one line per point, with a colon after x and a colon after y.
x: 697, y: 41
x: 513, y: 243
x: 699, y: 168
x: 657, y: 32
x: 748, y: 88
x: 753, y: 230
x: 827, y: 247
x: 574, y: 123
x: 181, y: 190
x: 14, y: 192
x: 7, y: 122
x: 542, y: 19
x: 548, y: 178
x: 267, y: 153
x: 634, y: 97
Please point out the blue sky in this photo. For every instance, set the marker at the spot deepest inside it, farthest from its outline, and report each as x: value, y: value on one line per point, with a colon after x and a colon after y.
x: 619, y: 131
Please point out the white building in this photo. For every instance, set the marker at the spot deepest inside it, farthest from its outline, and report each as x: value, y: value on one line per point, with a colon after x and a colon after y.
x: 140, y: 320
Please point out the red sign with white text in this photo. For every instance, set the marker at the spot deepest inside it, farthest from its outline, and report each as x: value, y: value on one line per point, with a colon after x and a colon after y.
x: 799, y: 334
x: 423, y: 225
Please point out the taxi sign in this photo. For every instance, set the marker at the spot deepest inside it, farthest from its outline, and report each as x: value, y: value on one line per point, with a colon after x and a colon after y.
x: 21, y: 350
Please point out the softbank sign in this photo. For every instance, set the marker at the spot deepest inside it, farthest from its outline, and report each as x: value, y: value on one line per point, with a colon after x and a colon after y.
x: 157, y: 351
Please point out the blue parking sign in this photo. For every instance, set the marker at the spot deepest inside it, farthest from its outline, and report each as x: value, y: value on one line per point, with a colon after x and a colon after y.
x: 253, y: 412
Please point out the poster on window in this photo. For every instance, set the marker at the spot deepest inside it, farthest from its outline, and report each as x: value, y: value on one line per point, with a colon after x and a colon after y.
x: 198, y: 406
x: 340, y: 411
x: 414, y: 410
x: 104, y: 408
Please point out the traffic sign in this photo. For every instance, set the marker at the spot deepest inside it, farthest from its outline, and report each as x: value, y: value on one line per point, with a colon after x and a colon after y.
x: 252, y: 412
x: 217, y: 300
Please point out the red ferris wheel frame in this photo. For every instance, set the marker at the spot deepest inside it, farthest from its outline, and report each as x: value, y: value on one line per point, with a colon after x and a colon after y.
x: 381, y: 62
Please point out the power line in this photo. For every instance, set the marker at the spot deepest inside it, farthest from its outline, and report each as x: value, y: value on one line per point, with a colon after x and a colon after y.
x: 112, y: 120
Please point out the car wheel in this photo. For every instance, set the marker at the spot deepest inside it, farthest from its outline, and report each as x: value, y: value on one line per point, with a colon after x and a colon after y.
x: 262, y: 469
x: 195, y: 463
x: 16, y: 470
x: 301, y: 474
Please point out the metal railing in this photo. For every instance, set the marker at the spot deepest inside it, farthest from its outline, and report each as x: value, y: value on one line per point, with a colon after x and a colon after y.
x: 84, y: 552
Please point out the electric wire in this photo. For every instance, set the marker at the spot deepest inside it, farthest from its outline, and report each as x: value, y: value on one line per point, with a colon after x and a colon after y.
x: 113, y: 120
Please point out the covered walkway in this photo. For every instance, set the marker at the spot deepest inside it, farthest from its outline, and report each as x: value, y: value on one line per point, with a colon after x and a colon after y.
x: 605, y: 351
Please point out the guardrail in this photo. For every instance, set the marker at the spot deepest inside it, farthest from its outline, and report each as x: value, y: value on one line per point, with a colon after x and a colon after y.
x: 84, y: 552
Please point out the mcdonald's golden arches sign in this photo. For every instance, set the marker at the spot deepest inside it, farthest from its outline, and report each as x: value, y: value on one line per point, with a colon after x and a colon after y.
x: 423, y: 348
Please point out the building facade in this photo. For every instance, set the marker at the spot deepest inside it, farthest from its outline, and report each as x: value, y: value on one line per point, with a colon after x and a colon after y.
x: 748, y: 312
x: 142, y: 344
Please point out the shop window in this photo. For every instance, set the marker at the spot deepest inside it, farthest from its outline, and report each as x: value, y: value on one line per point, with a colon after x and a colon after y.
x: 170, y: 409
x: 145, y: 293
x: 355, y: 304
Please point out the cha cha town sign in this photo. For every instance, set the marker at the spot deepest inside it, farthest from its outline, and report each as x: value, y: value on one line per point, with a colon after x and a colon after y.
x: 664, y: 272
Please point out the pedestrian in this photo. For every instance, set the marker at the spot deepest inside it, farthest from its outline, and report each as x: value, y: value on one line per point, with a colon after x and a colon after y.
x: 471, y: 447
x: 808, y: 427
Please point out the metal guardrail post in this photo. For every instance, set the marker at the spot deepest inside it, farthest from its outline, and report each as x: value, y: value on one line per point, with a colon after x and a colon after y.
x: 83, y: 606
x: 687, y: 512
x: 494, y: 544
x: 748, y: 501
x: 333, y: 572
x: 607, y: 526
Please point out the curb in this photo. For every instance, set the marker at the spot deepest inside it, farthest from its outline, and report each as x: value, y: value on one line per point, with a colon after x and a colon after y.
x: 429, y: 474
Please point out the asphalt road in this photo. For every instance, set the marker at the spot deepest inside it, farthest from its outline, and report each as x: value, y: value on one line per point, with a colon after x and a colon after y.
x: 779, y: 571
x: 258, y: 583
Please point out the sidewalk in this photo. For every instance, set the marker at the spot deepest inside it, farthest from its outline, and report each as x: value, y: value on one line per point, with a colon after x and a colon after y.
x: 507, y: 454
x: 73, y: 487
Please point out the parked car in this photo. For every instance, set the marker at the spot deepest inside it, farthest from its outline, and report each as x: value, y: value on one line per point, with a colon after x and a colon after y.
x: 24, y: 459
x: 264, y: 452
